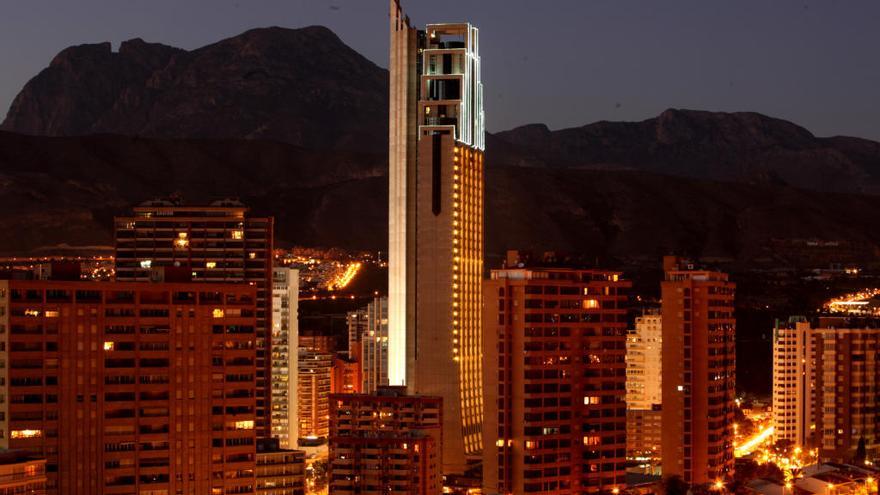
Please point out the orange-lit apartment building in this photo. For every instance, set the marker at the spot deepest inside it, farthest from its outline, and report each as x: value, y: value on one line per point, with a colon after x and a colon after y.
x: 699, y: 373
x: 643, y: 388
x: 346, y: 375
x: 221, y: 242
x: 315, y: 376
x: 826, y: 385
x: 131, y: 388
x: 385, y: 442
x: 555, y: 419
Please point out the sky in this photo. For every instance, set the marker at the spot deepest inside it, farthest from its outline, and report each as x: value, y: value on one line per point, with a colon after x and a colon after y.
x: 564, y: 63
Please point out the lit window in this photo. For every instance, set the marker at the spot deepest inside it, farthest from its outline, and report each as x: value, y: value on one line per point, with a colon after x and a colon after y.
x: 237, y: 234
x: 27, y: 433
x: 181, y: 242
x: 252, y: 255
x: 108, y: 346
x: 146, y: 263
x: 499, y: 442
x: 590, y: 304
x: 531, y: 444
x: 218, y: 313
x: 591, y: 399
x: 244, y: 425
x: 210, y: 264
x: 51, y: 313
x: 592, y: 440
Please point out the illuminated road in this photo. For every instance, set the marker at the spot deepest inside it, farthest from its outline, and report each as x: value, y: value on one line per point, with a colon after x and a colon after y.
x: 346, y: 276
x: 855, y: 303
x: 754, y: 442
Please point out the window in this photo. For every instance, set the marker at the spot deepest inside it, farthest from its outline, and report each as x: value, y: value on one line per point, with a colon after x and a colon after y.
x: 592, y: 440
x: 27, y: 433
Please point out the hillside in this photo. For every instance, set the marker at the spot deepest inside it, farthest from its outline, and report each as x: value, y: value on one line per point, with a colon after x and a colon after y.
x: 739, y: 147
x: 66, y: 190
x: 306, y: 88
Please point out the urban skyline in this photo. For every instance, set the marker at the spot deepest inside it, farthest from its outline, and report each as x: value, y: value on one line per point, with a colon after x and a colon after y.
x: 203, y: 352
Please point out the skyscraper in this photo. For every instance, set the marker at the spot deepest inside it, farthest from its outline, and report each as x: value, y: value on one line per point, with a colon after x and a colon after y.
x: 285, y: 352
x: 555, y: 381
x: 826, y: 378
x: 313, y: 391
x: 436, y: 223
x: 385, y: 442
x: 374, y: 347
x: 131, y: 387
x: 221, y: 242
x: 699, y: 372
x: 643, y: 386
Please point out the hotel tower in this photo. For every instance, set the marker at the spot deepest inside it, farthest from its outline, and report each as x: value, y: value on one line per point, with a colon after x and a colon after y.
x: 436, y: 224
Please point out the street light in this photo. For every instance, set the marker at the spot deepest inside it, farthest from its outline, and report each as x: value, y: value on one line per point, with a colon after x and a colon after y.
x: 719, y: 485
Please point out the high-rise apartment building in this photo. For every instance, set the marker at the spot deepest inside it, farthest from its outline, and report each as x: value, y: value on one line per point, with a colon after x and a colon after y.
x: 555, y: 381
x: 643, y: 386
x: 374, y: 346
x: 313, y: 393
x: 357, y: 325
x: 826, y: 385
x: 699, y: 368
x: 385, y: 442
x: 222, y: 242
x: 436, y: 223
x: 131, y: 387
x: 793, y: 386
x: 279, y: 471
x: 285, y: 352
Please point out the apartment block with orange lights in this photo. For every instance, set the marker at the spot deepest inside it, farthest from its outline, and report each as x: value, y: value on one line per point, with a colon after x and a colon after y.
x: 279, y: 471
x: 385, y: 442
x: 222, y: 242
x: 555, y: 375
x: 131, y: 388
x: 699, y: 373
x: 643, y: 387
x: 826, y: 385
x: 315, y: 376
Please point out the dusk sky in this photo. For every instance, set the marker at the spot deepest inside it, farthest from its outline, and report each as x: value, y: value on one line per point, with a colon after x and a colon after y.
x: 561, y: 62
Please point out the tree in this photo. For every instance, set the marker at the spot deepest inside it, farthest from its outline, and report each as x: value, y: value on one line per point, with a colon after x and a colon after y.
x: 861, y: 453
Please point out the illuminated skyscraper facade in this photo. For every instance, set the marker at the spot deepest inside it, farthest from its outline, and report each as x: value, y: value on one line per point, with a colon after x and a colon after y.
x: 436, y: 223
x: 643, y: 386
x: 826, y: 378
x: 285, y: 345
x: 699, y: 373
x: 554, y: 381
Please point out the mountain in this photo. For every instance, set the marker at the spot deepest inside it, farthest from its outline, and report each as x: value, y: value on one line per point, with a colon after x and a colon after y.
x: 306, y: 88
x: 300, y: 86
x: 294, y: 123
x: 740, y: 147
x: 65, y: 190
